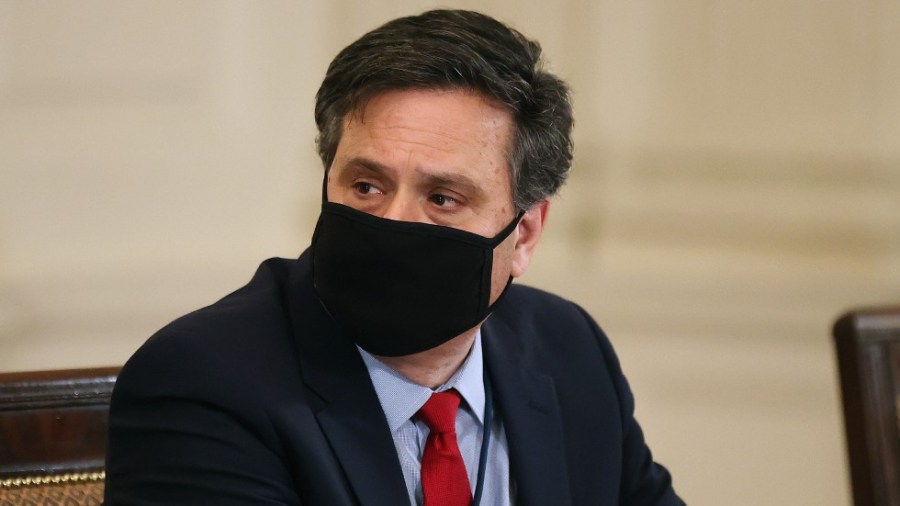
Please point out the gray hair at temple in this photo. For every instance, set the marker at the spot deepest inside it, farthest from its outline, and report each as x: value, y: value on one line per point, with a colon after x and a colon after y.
x: 456, y: 49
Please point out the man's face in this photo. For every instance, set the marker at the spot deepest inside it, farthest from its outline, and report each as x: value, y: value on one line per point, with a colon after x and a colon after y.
x: 434, y: 157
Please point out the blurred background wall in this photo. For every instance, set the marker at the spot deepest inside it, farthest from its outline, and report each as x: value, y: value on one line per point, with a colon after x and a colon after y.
x: 736, y: 186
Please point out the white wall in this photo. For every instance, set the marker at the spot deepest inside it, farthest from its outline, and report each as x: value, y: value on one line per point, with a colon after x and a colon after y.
x: 736, y: 186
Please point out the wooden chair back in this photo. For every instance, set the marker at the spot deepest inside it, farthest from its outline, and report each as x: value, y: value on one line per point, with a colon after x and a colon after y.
x: 53, y: 436
x: 868, y: 353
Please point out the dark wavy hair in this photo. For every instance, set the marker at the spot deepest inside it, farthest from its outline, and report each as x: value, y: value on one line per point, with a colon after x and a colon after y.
x: 457, y: 49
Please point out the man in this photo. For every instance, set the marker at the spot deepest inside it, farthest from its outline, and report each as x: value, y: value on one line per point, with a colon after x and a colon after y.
x: 393, y: 363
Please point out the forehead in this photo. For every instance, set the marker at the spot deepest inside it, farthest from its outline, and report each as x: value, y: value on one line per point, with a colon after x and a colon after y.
x: 451, y: 129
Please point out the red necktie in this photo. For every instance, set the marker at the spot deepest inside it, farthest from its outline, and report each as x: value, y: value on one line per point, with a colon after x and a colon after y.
x: 444, y: 478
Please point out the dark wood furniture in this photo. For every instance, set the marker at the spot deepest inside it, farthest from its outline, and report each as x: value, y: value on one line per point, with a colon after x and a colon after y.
x: 868, y: 353
x: 53, y: 435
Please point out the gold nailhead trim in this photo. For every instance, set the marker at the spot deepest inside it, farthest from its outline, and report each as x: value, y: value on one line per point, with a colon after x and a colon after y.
x: 27, y: 481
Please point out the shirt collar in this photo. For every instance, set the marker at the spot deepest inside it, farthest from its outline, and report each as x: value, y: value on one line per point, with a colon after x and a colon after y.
x: 400, y: 398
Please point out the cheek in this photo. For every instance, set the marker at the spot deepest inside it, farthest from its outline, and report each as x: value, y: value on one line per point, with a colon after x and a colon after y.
x: 334, y: 192
x: 330, y: 190
x: 502, y: 267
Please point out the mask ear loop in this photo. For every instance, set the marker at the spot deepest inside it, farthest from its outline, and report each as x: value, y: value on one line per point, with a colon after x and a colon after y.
x: 315, y: 236
x: 325, y: 186
x: 487, y: 276
x: 507, y: 230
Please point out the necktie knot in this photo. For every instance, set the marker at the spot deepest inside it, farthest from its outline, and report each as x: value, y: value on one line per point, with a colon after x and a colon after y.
x: 439, y: 412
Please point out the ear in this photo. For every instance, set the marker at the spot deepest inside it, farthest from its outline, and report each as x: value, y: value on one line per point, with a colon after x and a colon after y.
x: 528, y: 233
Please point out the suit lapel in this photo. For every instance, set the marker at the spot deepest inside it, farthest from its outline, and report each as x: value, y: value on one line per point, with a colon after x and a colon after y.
x: 528, y: 404
x: 350, y: 414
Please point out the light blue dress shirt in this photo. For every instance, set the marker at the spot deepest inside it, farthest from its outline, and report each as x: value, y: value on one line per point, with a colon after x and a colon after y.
x: 401, y: 398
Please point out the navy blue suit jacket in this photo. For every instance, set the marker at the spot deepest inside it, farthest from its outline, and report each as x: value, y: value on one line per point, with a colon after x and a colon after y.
x: 260, y: 399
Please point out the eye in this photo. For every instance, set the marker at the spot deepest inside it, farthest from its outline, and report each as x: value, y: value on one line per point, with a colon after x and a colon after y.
x: 442, y: 200
x: 365, y: 188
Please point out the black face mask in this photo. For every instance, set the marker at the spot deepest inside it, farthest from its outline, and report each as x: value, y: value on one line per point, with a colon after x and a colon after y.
x: 401, y: 287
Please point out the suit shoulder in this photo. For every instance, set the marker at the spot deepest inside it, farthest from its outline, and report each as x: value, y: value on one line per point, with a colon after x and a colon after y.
x: 236, y: 335
x: 550, y: 323
x: 253, y: 301
x: 529, y: 303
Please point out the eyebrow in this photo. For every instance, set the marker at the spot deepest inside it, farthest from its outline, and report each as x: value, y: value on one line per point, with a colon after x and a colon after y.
x: 452, y: 179
x: 367, y: 164
x: 434, y: 178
